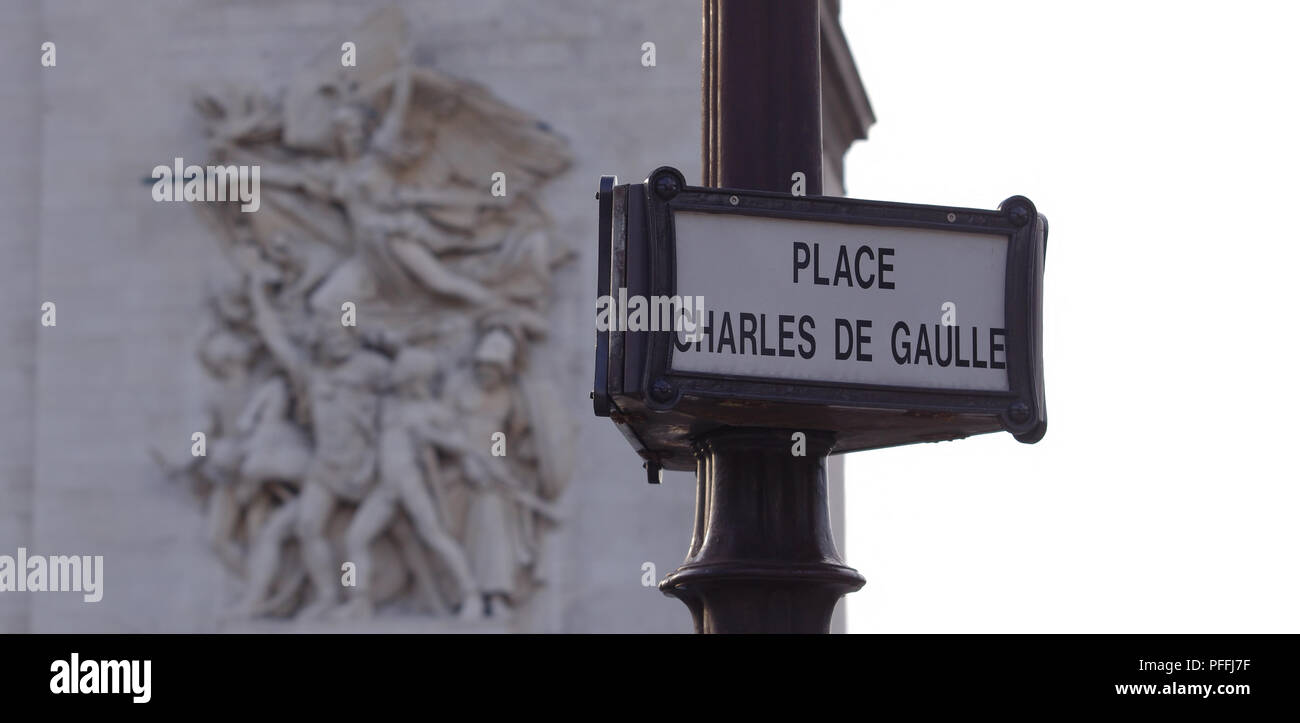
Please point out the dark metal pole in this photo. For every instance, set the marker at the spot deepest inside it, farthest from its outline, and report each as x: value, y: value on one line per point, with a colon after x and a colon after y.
x: 762, y: 94
x: 762, y: 558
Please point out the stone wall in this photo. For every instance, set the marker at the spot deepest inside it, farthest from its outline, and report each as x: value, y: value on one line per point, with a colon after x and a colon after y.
x: 86, y: 399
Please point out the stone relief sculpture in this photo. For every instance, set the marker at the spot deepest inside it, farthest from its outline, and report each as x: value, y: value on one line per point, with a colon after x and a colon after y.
x: 419, y: 444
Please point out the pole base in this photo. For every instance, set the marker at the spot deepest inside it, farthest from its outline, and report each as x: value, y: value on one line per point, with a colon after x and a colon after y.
x: 762, y: 558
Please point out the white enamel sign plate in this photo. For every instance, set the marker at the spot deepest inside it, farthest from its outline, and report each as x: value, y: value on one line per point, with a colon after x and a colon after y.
x: 843, y: 303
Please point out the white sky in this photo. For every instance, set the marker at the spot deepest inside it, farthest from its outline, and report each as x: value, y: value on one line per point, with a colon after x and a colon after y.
x: 1160, y: 139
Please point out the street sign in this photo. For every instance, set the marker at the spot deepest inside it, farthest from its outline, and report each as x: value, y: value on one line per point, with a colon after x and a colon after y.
x: 884, y: 323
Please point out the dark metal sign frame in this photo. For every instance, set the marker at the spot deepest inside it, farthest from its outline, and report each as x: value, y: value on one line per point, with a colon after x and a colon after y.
x: 659, y: 408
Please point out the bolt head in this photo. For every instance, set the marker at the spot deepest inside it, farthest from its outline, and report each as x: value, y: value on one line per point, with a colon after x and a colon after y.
x: 1019, y: 215
x: 1019, y: 412
x: 662, y: 390
x: 667, y: 187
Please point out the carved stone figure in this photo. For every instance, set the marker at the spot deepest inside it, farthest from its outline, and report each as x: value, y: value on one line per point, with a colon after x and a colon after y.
x: 501, y: 522
x: 411, y: 423
x: 373, y: 444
